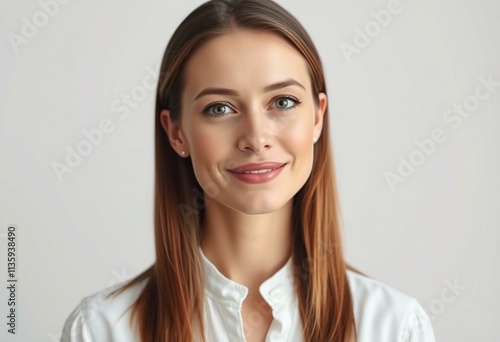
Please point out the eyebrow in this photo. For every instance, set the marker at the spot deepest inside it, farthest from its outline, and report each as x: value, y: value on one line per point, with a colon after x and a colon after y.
x: 226, y: 91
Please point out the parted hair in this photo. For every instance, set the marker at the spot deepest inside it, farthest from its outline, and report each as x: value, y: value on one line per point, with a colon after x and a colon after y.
x: 170, y: 306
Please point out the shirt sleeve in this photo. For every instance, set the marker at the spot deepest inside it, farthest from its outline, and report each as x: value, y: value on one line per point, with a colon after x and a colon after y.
x: 76, y: 326
x: 419, y: 325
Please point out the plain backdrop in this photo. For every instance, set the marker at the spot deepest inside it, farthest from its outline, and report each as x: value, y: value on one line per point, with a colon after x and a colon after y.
x: 394, y: 85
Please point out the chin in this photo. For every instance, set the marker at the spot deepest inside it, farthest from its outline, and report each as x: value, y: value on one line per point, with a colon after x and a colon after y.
x: 253, y: 207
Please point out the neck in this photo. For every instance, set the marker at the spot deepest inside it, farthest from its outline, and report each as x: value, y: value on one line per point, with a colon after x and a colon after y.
x: 247, y: 248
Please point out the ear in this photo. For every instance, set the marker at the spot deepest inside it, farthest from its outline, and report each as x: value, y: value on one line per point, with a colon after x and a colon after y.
x: 174, y: 132
x: 319, y: 115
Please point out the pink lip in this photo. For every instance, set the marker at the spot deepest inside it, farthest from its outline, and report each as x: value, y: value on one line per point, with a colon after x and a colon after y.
x: 259, y: 166
x: 257, y: 178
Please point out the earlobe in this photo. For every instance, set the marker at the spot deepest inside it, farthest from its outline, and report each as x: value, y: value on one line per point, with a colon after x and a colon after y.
x: 172, y: 130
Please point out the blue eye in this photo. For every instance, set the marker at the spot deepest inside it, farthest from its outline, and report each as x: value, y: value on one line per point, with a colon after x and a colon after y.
x: 287, y: 100
x: 219, y: 109
x: 216, y: 109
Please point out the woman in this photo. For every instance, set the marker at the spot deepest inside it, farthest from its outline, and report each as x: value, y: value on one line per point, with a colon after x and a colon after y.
x: 247, y: 220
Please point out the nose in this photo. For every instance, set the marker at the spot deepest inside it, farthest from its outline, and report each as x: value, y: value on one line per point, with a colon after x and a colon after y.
x: 256, y: 132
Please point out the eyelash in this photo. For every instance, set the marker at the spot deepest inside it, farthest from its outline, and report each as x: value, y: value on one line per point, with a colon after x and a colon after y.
x: 287, y: 97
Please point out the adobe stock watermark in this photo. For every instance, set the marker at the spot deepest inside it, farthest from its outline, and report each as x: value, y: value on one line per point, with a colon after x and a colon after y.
x: 419, y: 322
x: 371, y: 30
x: 91, y: 305
x: 451, y: 291
x: 92, y: 138
x: 30, y: 26
x: 454, y: 116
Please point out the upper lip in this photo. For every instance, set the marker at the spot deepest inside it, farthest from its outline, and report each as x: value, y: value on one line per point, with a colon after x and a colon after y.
x: 256, y: 167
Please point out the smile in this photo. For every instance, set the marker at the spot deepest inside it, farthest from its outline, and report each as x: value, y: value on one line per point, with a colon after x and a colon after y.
x: 257, y: 171
x: 258, y: 176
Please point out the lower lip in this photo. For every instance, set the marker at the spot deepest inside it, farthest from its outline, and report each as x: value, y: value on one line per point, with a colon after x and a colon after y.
x: 257, y: 178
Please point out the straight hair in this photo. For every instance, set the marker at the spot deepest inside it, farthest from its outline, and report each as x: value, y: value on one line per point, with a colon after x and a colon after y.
x: 170, y: 306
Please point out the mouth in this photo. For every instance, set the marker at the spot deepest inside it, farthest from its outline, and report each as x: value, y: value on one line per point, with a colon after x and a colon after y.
x: 258, y: 171
x: 258, y: 176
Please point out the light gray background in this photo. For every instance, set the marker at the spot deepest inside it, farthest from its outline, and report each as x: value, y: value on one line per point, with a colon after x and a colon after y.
x: 94, y: 228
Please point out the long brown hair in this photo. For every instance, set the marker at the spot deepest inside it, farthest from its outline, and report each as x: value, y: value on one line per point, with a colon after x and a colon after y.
x: 170, y: 306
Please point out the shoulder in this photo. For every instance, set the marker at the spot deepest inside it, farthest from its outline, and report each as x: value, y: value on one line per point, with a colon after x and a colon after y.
x: 99, y: 317
x: 383, y: 313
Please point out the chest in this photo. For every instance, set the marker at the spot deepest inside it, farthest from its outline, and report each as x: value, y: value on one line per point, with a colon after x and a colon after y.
x: 257, y: 318
x: 252, y: 321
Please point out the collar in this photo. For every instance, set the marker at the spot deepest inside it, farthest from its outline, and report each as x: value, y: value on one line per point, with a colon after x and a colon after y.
x: 276, y: 290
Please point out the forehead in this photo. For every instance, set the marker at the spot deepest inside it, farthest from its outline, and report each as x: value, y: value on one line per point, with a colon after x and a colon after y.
x: 244, y: 60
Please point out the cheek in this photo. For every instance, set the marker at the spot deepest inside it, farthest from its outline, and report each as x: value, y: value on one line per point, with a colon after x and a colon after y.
x: 298, y: 135
x: 207, y: 144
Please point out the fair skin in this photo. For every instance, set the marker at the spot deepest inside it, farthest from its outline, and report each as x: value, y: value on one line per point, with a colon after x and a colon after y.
x: 247, y: 227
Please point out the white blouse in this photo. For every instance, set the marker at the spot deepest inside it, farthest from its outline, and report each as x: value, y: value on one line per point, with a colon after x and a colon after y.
x: 381, y: 313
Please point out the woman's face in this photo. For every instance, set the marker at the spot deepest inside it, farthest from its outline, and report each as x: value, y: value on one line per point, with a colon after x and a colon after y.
x: 255, y: 119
